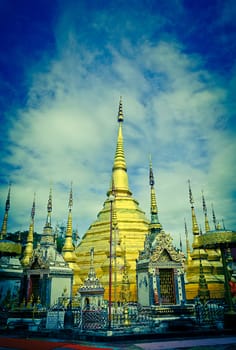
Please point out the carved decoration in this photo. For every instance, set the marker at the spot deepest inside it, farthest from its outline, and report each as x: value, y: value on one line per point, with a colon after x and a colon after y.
x: 163, y: 250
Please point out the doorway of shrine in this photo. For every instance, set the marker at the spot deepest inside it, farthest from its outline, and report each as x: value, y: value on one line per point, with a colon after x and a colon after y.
x: 167, y: 286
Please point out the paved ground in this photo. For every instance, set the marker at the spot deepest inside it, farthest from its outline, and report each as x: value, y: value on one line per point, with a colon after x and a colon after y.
x: 221, y: 343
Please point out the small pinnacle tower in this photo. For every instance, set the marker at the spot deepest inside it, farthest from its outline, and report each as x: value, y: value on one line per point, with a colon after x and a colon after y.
x: 213, y: 255
x: 202, y: 262
x: 5, y: 218
x: 28, y: 253
x: 155, y: 226
x: 125, y: 286
x: 188, y: 250
x: 91, y: 291
x: 207, y: 226
x: 68, y: 250
x: 48, y: 236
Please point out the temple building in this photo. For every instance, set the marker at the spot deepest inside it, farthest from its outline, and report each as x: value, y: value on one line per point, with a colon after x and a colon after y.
x: 160, y: 266
x: 46, y: 274
x: 130, y: 231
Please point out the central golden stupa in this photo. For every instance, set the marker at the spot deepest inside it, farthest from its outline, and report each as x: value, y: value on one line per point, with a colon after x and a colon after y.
x: 122, y: 220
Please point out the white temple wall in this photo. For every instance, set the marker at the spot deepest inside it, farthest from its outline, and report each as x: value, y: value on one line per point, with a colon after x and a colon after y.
x: 143, y: 288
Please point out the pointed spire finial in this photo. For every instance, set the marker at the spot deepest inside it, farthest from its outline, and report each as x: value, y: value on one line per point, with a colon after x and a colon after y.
x: 7, y: 207
x: 155, y: 225
x: 190, y: 193
x: 207, y: 226
x: 70, y: 198
x: 151, y: 176
x: 49, y: 207
x: 180, y: 243
x: 214, y: 217
x: 120, y: 113
x: 33, y: 208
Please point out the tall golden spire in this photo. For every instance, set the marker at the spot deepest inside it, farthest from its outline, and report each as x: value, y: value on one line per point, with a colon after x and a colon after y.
x: 5, y: 218
x: 131, y: 221
x: 155, y: 225
x: 207, y: 226
x: 28, y: 253
x: 119, y: 170
x: 194, y: 219
x: 68, y: 248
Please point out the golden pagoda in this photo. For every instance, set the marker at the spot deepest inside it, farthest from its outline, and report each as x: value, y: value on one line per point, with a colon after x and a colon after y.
x: 131, y: 228
x: 202, y: 263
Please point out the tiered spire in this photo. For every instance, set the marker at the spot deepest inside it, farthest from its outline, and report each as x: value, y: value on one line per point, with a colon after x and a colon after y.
x: 188, y: 250
x: 216, y: 223
x: 5, y: 218
x: 194, y: 219
x: 47, y: 236
x: 207, y: 226
x: 119, y: 170
x: 197, y: 253
x: 28, y: 253
x: 125, y: 284
x: 68, y: 247
x: 91, y: 283
x: 155, y: 225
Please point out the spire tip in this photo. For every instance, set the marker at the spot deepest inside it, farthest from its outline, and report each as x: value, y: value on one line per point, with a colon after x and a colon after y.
x: 120, y: 112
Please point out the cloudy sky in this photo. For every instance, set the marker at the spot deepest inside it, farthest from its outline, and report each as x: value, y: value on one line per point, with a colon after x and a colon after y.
x: 64, y: 66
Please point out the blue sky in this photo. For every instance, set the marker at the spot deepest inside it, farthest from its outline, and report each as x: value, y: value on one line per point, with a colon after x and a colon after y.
x: 63, y: 67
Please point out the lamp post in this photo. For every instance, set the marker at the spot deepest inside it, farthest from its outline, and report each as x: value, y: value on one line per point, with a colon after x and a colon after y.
x: 111, y: 199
